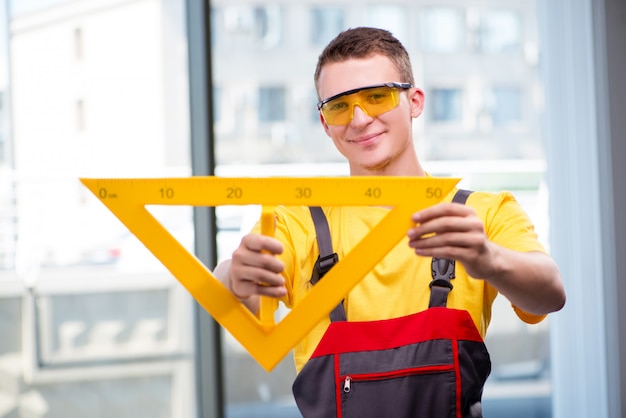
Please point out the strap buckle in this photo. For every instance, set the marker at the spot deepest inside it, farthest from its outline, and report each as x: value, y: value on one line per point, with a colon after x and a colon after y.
x: 441, y: 283
x: 322, y: 266
x: 442, y: 272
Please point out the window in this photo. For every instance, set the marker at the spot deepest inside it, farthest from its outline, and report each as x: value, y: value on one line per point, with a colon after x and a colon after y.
x: 104, y: 318
x: 277, y: 100
x: 500, y: 31
x: 442, y: 30
x: 507, y: 105
x: 315, y: 113
x: 272, y: 106
x: 392, y: 18
x: 217, y: 104
x: 2, y: 124
x: 80, y: 115
x: 326, y: 22
x: 268, y: 25
x: 4, y: 87
x: 249, y: 26
x: 217, y: 27
x: 78, y: 44
x: 445, y: 105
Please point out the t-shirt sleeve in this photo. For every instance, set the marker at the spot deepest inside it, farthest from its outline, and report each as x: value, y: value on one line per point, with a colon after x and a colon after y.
x: 508, y: 225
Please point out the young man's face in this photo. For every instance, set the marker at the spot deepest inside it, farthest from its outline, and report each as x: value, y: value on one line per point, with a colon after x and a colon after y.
x: 373, y: 145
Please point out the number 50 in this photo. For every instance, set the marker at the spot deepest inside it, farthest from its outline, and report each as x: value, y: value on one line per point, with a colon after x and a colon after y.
x: 433, y: 192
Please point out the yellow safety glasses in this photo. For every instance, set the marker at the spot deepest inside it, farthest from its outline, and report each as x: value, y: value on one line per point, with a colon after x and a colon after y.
x: 373, y: 100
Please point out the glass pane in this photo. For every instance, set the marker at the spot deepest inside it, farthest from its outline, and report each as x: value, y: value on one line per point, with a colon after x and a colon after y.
x: 475, y: 126
x: 98, y: 325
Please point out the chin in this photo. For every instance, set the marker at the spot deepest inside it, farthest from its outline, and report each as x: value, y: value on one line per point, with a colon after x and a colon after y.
x: 375, y: 166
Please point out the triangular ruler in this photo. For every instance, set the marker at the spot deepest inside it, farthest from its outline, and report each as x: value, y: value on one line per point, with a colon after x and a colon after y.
x: 269, y: 343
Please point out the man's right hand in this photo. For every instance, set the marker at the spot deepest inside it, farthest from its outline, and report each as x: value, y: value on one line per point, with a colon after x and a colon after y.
x: 254, y: 270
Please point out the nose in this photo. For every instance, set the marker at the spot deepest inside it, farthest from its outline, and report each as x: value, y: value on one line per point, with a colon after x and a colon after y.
x: 359, y: 115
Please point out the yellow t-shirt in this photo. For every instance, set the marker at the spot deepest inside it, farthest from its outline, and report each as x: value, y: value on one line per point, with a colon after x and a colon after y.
x: 399, y: 284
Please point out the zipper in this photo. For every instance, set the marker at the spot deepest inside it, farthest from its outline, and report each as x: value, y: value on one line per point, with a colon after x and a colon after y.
x: 346, y: 384
x: 368, y: 377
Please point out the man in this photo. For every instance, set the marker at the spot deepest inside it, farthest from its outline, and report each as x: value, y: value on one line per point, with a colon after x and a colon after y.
x: 367, y: 103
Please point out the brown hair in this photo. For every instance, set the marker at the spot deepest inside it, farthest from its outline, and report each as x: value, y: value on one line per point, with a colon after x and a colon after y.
x: 363, y: 42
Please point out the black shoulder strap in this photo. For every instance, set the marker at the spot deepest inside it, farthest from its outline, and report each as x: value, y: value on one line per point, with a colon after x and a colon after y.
x: 442, y: 269
x: 461, y: 196
x: 327, y: 257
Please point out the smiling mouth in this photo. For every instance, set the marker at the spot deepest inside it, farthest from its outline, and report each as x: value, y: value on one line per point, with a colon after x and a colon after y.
x: 368, y: 138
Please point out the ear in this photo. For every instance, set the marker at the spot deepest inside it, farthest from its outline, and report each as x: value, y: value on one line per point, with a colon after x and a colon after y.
x: 416, y: 101
x: 324, y: 124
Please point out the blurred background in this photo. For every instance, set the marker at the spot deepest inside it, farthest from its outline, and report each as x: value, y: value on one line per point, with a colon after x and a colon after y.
x: 92, y: 325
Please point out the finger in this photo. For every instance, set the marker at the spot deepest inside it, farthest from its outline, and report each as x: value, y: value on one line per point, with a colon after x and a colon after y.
x: 442, y: 209
x: 244, y: 287
x: 271, y: 291
x: 261, y: 261
x: 258, y: 243
x: 440, y: 226
x: 243, y: 256
x: 247, y: 274
x: 455, y: 253
x: 443, y: 240
x: 467, y: 223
